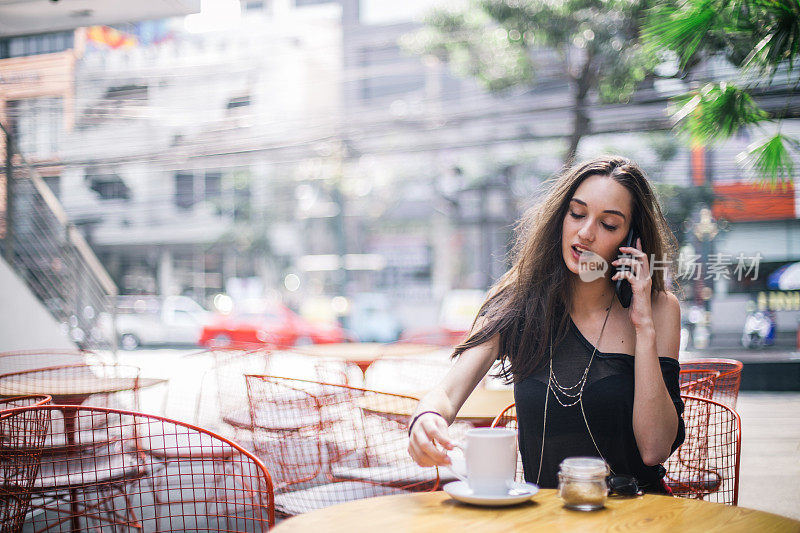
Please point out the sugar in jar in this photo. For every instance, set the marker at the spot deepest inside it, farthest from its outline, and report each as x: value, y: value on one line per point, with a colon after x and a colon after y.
x: 582, y: 483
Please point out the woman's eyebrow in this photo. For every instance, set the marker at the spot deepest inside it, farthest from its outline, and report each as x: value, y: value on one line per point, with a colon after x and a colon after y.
x: 612, y: 211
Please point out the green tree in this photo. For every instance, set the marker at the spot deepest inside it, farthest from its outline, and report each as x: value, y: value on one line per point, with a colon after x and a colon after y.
x: 761, y: 38
x: 495, y: 40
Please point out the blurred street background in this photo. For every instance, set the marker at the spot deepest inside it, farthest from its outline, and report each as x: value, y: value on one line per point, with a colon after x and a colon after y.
x: 313, y: 171
x: 182, y: 174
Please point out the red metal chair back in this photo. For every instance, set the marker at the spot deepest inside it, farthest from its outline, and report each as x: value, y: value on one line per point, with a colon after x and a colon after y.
x: 333, y: 370
x: 706, y: 465
x: 508, y: 419
x: 286, y: 421
x: 24, y: 401
x: 698, y: 382
x: 150, y: 474
x: 22, y: 437
x: 226, y: 410
x: 331, y: 443
x: 726, y: 386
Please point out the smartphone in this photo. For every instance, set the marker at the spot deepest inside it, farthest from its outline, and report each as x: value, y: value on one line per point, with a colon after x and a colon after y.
x: 623, y: 286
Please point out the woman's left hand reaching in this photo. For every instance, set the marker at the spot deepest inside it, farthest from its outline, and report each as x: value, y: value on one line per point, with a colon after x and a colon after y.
x: 638, y: 275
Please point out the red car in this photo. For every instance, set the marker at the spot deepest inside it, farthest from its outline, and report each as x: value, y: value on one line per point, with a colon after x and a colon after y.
x: 273, y: 324
x: 438, y: 336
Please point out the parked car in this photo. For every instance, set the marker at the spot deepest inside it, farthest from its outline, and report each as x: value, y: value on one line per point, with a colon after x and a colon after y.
x: 151, y: 320
x: 260, y: 322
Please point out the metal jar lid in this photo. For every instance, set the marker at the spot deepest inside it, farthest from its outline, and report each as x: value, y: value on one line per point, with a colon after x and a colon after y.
x: 584, y: 467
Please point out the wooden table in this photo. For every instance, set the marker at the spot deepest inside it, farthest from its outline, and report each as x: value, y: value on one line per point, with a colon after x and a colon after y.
x: 437, y: 512
x: 363, y: 354
x: 480, y: 409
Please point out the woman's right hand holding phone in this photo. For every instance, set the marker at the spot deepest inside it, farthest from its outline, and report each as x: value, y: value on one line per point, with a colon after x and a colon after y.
x: 429, y: 441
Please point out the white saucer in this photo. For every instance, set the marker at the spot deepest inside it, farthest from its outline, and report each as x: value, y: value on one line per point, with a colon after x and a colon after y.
x: 518, y: 493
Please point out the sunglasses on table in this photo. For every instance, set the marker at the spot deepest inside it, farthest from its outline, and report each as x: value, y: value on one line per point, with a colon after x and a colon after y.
x: 623, y: 486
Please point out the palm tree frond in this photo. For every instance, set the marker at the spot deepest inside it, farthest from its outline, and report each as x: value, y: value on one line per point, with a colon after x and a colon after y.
x: 716, y: 112
x: 780, y: 21
x: 771, y: 159
x: 681, y: 30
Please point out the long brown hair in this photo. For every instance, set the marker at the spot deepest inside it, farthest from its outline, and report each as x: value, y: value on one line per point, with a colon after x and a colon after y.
x: 528, y: 305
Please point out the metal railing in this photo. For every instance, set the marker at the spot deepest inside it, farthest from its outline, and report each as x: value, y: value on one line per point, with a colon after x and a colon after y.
x: 52, y: 257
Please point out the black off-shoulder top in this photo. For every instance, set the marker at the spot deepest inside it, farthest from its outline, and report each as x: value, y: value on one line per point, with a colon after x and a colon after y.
x: 608, y: 403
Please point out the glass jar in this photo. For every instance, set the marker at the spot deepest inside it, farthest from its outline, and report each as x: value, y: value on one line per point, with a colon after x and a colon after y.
x: 582, y: 483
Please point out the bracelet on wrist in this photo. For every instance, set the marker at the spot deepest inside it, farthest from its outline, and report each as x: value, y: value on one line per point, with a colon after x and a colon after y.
x: 416, y: 417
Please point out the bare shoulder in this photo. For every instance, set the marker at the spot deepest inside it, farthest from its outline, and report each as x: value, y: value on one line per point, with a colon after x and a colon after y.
x: 666, y: 306
x: 667, y: 320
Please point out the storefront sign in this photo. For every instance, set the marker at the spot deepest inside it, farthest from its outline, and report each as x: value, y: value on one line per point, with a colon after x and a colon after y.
x: 778, y: 300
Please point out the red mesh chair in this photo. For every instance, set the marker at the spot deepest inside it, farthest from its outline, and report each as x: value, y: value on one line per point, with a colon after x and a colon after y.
x: 227, y: 409
x: 698, y: 382
x: 706, y: 465
x: 286, y: 422
x: 726, y: 386
x: 22, y: 438
x: 332, y: 370
x: 508, y: 419
x: 24, y: 401
x: 328, y: 444
x: 208, y: 483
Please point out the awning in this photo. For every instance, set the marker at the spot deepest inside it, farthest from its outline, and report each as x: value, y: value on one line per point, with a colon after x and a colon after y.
x: 786, y: 278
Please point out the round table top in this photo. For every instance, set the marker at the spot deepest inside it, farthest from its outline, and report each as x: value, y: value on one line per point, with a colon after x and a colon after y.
x: 86, y: 385
x: 437, y: 512
x: 481, y: 407
x: 364, y: 351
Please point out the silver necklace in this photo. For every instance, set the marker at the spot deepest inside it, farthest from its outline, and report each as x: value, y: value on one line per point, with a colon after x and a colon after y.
x: 575, y: 398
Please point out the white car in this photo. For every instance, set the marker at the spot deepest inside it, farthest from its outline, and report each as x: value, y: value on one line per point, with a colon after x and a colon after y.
x: 150, y: 320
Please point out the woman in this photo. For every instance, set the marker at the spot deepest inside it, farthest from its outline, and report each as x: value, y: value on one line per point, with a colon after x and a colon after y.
x: 591, y: 377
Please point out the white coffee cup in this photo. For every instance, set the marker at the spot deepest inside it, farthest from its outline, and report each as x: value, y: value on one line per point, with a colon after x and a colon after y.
x: 489, y: 464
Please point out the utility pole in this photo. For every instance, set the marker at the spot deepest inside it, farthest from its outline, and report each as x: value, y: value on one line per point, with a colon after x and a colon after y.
x: 705, y: 229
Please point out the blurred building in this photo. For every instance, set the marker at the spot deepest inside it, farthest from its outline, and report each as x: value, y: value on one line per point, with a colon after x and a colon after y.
x: 58, y: 292
x: 306, y: 148
x: 174, y: 168
x: 37, y: 96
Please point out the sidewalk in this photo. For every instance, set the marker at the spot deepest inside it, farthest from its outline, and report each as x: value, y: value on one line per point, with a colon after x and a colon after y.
x: 764, y: 355
x: 725, y: 343
x: 772, y: 368
x: 770, y: 465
